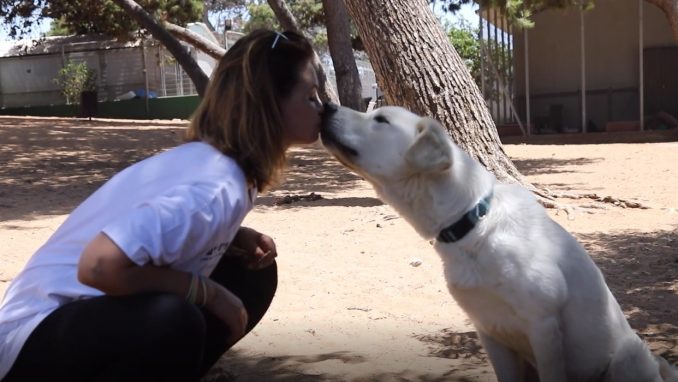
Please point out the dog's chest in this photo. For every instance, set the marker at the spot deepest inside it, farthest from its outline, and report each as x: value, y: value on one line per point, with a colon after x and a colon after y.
x: 493, y: 316
x: 485, y: 288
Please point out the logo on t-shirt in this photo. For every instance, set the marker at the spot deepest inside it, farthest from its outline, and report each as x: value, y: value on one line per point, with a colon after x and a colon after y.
x: 215, y: 253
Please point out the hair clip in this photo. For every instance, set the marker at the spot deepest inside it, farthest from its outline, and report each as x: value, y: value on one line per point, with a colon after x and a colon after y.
x: 277, y: 37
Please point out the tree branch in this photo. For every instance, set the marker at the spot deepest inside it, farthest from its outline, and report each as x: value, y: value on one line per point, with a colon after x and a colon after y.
x: 213, y: 50
x: 173, y: 45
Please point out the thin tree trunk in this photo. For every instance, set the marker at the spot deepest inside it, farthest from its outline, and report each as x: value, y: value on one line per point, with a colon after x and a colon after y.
x: 670, y: 9
x: 339, y: 40
x: 419, y: 69
x: 213, y: 50
x: 288, y: 22
x: 180, y: 53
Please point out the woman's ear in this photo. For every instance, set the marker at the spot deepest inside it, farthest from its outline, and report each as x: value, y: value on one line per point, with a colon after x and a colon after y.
x: 431, y: 151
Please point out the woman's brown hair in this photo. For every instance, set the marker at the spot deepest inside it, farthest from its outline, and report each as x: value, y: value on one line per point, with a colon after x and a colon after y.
x: 240, y: 113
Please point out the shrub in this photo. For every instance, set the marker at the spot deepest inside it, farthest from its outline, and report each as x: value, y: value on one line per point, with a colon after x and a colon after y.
x: 75, y: 78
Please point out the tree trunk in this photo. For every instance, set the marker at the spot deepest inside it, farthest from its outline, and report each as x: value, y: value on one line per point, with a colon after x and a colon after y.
x: 670, y: 9
x: 288, y: 22
x: 180, y: 53
x: 418, y: 68
x: 339, y: 40
x: 213, y: 50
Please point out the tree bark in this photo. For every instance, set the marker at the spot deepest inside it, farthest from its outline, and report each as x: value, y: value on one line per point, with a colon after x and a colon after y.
x: 289, y: 22
x: 213, y: 50
x: 180, y: 53
x: 670, y: 9
x: 418, y: 68
x: 339, y: 40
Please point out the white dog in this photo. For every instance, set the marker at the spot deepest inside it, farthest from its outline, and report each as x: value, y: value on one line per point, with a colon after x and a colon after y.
x: 534, y: 295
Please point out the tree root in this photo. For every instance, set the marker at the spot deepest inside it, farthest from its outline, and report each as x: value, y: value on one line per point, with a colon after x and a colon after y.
x: 289, y: 199
x: 547, y: 198
x: 623, y: 203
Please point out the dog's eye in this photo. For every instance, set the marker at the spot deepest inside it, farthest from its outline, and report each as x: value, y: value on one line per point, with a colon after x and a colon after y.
x: 381, y: 119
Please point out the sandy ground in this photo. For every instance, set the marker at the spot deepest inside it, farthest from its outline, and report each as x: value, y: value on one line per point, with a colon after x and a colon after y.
x: 351, y: 304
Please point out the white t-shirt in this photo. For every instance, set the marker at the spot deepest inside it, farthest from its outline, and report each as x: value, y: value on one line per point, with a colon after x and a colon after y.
x: 180, y: 208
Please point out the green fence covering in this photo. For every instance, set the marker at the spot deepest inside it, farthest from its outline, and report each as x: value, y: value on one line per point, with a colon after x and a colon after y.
x: 158, y: 108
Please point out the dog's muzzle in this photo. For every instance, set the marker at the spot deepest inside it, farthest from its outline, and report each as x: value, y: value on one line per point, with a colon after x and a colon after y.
x: 330, y: 123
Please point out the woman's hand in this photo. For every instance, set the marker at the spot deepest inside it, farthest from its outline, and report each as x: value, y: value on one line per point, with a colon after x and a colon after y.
x: 257, y: 249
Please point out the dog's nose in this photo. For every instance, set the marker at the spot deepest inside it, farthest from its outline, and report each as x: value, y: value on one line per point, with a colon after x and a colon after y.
x: 330, y: 108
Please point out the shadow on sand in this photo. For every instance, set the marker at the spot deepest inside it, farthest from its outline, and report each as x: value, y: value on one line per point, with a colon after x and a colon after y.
x: 236, y: 367
x: 67, y: 159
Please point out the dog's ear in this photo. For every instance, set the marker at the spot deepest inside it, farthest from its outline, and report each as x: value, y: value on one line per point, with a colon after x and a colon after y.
x: 431, y: 151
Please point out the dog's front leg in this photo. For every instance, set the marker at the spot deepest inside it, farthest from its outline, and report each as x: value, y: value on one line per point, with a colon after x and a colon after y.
x: 546, y: 340
x: 506, y: 363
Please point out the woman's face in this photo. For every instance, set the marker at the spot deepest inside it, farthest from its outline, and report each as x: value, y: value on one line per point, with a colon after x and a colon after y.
x: 301, y: 110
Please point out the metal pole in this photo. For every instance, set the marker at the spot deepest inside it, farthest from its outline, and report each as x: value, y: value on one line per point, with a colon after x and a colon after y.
x: 511, y: 46
x: 505, y: 94
x: 488, y: 57
x: 583, y: 68
x: 503, y: 63
x: 641, y: 70
x: 143, y: 55
x: 528, y: 117
x: 163, y: 75
x: 496, y: 55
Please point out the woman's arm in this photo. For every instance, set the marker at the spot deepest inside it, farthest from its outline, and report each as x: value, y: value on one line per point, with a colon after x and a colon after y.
x: 104, y: 266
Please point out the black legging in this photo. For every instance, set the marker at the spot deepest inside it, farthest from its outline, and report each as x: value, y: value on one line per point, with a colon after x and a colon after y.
x: 143, y: 337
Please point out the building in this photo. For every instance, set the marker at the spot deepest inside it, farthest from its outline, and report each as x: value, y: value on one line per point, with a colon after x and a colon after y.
x: 611, y: 68
x: 126, y: 71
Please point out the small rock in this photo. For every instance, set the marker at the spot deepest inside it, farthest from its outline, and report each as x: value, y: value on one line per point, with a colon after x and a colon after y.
x: 415, y: 262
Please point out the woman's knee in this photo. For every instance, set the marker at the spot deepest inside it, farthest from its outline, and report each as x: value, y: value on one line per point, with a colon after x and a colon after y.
x: 169, y: 316
x: 173, y: 341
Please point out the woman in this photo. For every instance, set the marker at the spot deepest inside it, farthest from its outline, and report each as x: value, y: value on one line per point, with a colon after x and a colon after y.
x: 153, y: 277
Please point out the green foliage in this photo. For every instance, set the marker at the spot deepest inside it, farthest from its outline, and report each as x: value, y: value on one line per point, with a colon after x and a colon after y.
x: 311, y: 18
x: 59, y: 28
x: 75, y: 78
x: 222, y: 10
x: 308, y: 13
x: 517, y: 11
x: 93, y: 16
x: 261, y: 16
x: 464, y: 38
x: 224, y: 5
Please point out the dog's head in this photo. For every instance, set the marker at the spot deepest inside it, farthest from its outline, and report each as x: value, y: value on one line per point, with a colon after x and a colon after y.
x: 387, y: 144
